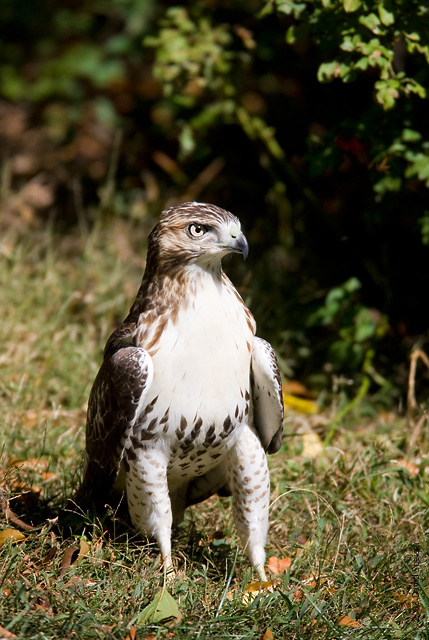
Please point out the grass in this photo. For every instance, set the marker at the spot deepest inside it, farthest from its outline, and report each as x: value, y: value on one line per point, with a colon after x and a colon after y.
x: 353, y: 520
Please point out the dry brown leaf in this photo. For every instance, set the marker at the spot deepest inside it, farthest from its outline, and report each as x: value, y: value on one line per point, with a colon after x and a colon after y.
x: 409, y: 599
x: 298, y: 595
x: 346, y: 621
x: 9, y: 515
x: 73, y: 555
x: 295, y: 388
x: 4, y: 633
x: 43, y: 603
x: 48, y: 475
x: 312, y: 582
x: 131, y: 635
x: 279, y: 565
x: 267, y: 635
x: 83, y: 550
x: 412, y: 468
x: 252, y: 590
x: 49, y: 556
x: 34, y: 464
x: 69, y: 555
x: 11, y: 534
x: 256, y: 586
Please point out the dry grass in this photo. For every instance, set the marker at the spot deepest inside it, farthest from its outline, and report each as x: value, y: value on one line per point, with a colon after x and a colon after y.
x: 353, y: 519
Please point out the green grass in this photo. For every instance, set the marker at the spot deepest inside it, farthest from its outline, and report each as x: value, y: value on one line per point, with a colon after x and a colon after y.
x: 353, y: 521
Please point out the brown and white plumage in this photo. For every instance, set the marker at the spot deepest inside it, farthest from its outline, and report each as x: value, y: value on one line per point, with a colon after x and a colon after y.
x: 187, y: 399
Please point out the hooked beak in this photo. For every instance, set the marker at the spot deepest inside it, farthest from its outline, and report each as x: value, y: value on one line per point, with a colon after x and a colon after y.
x: 240, y: 245
x: 237, y: 242
x: 234, y: 241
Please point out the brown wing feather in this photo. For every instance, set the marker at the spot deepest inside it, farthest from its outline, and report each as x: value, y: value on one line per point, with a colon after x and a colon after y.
x: 114, y: 404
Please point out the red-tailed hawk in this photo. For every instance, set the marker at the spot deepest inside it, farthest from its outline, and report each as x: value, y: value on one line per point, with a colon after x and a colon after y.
x: 187, y: 400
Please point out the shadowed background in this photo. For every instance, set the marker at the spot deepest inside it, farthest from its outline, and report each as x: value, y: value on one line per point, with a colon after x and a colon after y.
x: 307, y: 120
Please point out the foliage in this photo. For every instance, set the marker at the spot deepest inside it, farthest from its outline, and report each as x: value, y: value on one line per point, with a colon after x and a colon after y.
x: 306, y: 118
x: 357, y: 327
x: 386, y: 41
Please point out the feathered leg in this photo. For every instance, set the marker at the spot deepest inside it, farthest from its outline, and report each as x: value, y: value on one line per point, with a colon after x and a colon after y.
x: 249, y: 481
x: 148, y: 499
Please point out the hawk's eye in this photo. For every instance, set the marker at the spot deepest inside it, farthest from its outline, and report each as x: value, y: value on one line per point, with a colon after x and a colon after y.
x: 196, y: 230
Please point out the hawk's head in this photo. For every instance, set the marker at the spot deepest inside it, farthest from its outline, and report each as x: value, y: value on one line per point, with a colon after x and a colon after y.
x: 195, y: 233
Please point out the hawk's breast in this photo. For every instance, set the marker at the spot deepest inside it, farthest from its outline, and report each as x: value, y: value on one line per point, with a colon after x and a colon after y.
x: 200, y: 397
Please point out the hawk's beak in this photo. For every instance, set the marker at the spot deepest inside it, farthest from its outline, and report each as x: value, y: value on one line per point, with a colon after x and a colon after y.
x: 241, y: 246
x: 238, y: 241
x: 234, y: 242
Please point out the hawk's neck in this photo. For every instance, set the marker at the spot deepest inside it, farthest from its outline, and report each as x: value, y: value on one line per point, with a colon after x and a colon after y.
x: 161, y: 290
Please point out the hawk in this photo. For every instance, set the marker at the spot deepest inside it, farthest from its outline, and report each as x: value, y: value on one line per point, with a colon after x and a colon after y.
x: 187, y: 400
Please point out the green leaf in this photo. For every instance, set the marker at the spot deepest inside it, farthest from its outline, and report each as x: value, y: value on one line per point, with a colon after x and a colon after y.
x: 351, y: 5
x: 386, y: 17
x: 388, y: 183
x: 328, y: 70
x: 365, y: 327
x: 290, y: 7
x: 296, y: 33
x: 187, y: 140
x: 371, y: 22
x: 163, y: 606
x: 409, y: 135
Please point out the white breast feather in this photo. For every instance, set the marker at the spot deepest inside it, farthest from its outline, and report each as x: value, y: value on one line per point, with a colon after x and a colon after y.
x: 203, y: 361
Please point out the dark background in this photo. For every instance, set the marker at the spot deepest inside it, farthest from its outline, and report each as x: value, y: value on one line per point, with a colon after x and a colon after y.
x: 119, y: 109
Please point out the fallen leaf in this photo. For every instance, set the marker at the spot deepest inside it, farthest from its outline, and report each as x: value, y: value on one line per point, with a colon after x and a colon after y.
x: 83, y: 550
x: 69, y: 555
x: 251, y: 590
x: 10, y: 534
x: 409, y: 599
x: 131, y: 635
x: 9, y: 515
x: 33, y: 464
x: 163, y: 606
x: 255, y: 588
x: 267, y: 635
x: 300, y: 404
x: 48, y: 475
x: 295, y: 388
x: 311, y: 582
x: 279, y: 565
x: 49, y: 556
x: 412, y: 468
x: 43, y: 603
x: 4, y: 633
x: 73, y: 555
x: 346, y: 621
x: 312, y: 445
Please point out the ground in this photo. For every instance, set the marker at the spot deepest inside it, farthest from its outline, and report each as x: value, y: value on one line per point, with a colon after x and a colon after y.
x: 349, y: 523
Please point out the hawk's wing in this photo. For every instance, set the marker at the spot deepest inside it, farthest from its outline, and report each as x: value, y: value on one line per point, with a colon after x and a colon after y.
x: 116, y: 400
x: 267, y: 395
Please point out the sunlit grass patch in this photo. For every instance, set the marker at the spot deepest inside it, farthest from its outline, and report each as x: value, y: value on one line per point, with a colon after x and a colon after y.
x: 349, y: 522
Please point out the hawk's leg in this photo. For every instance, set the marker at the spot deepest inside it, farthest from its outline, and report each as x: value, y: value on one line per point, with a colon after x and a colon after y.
x: 249, y: 481
x: 149, y: 500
